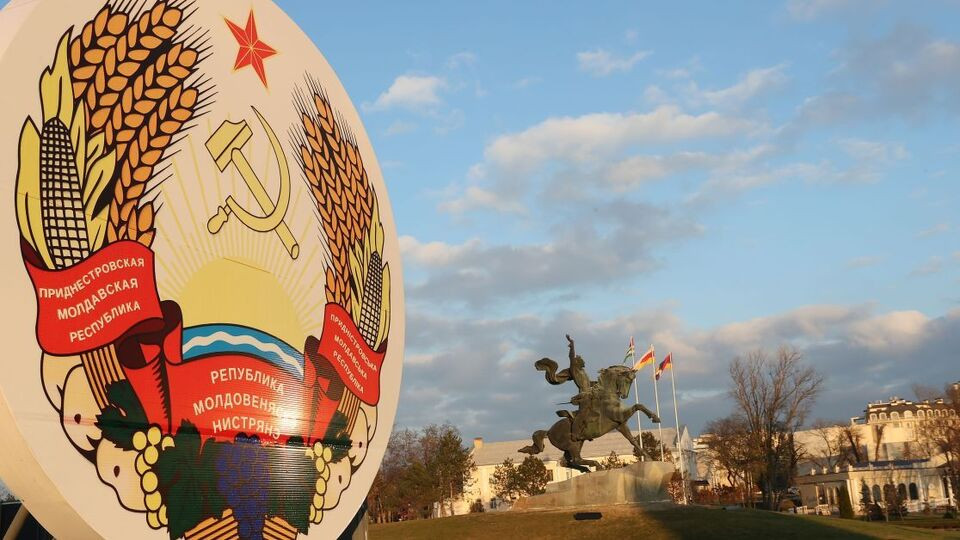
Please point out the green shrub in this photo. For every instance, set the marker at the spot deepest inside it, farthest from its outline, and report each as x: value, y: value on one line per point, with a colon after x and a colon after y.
x: 846, y: 509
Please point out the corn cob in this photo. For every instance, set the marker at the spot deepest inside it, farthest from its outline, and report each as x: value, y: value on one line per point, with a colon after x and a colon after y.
x: 61, y: 197
x: 61, y: 173
x: 372, y: 289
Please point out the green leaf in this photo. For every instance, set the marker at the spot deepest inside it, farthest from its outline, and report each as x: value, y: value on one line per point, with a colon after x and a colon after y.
x: 183, y: 512
x: 123, y: 417
x: 188, y: 479
x: 337, y: 437
x: 293, y: 479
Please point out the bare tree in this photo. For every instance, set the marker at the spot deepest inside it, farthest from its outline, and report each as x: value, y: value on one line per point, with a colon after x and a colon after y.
x: 730, y: 450
x: 829, y: 446
x: 837, y: 443
x: 940, y: 435
x: 774, y: 396
x: 854, y: 446
x: 925, y: 392
x: 878, y: 430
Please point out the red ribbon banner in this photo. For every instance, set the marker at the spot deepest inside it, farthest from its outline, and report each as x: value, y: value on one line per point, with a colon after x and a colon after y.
x: 357, y: 365
x: 93, y: 303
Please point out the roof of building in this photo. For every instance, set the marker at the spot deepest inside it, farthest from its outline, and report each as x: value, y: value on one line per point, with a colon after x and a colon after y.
x: 901, y: 405
x: 494, y: 453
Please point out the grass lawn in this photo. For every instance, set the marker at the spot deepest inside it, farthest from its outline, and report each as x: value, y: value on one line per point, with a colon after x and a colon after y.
x: 649, y: 522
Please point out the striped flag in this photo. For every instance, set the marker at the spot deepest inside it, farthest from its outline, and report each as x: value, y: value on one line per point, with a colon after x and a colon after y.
x: 631, y: 351
x: 665, y: 365
x: 647, y: 359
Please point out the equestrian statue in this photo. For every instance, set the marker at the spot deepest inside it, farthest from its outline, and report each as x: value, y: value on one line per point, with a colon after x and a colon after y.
x: 599, y: 410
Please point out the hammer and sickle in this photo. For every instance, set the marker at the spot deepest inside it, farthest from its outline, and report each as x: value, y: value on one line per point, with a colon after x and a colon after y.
x: 225, y: 147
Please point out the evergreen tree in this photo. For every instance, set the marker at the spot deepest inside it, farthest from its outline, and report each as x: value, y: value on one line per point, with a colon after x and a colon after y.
x: 511, y: 481
x: 651, y: 449
x: 532, y: 476
x: 846, y: 509
x: 612, y: 461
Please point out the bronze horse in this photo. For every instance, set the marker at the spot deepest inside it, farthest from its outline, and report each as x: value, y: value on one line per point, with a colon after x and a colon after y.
x: 599, y: 409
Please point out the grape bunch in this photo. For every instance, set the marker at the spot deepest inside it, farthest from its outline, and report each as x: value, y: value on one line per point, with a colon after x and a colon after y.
x: 243, y: 479
x: 149, y: 444
x: 322, y: 455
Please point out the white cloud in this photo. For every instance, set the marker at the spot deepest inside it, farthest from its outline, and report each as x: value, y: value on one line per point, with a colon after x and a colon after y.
x: 933, y: 265
x: 863, y: 262
x: 808, y: 323
x: 601, y: 63
x: 526, y: 82
x: 636, y: 170
x: 586, y: 249
x: 876, y: 152
x: 755, y: 83
x: 461, y: 59
x: 939, y: 228
x: 898, y: 329
x: 448, y: 121
x: 475, y: 198
x: 868, y: 162
x: 400, y: 127
x: 593, y: 137
x: 419, y: 359
x: 411, y: 92
x: 655, y: 95
x: 906, y: 72
x: 677, y: 73
x: 830, y: 108
x: 433, y: 253
x: 570, y: 158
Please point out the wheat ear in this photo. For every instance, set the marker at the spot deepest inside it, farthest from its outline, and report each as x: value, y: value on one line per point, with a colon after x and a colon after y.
x: 136, y: 77
x: 357, y: 277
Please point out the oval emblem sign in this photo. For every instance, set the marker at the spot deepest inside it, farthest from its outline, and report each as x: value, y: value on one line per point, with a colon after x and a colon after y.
x: 203, y: 318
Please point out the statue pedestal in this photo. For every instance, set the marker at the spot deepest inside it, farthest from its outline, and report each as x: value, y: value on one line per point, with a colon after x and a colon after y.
x: 637, y: 482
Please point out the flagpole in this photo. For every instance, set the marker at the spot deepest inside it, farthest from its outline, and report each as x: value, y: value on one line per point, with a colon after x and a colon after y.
x: 636, y: 393
x: 676, y: 419
x: 656, y: 397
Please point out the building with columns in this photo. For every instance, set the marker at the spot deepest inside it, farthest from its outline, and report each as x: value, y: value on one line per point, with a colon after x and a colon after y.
x: 921, y: 485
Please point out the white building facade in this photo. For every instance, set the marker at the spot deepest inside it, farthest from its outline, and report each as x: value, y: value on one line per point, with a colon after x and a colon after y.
x: 920, y: 484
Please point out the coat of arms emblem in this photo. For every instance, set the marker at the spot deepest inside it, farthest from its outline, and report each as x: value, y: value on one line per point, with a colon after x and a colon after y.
x: 218, y: 311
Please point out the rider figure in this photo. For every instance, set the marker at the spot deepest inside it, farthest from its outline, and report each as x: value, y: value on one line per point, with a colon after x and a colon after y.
x: 588, y: 389
x: 578, y: 369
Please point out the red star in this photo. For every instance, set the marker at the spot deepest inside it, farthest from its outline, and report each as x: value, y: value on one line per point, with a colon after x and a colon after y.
x: 252, y: 50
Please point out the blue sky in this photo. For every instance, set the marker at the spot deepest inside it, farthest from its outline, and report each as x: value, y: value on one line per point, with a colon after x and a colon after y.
x: 840, y: 206
x: 711, y: 177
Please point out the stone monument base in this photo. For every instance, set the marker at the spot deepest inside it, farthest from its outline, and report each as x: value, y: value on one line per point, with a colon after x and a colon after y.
x: 638, y: 482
